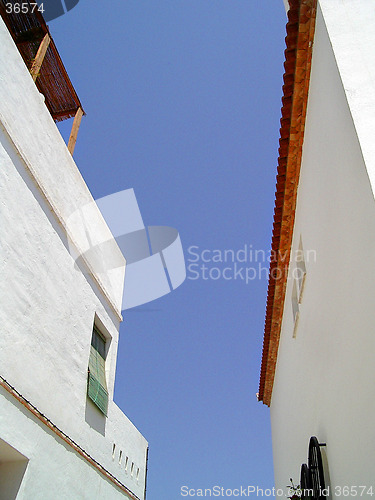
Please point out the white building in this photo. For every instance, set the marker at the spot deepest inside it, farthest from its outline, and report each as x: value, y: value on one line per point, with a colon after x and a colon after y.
x: 61, y: 434
x: 318, y: 371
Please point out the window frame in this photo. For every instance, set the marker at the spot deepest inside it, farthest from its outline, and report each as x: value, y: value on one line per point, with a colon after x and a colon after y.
x: 97, y: 390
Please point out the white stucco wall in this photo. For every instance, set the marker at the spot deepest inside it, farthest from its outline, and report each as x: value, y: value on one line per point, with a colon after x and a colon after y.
x: 351, y: 28
x: 53, y: 471
x: 35, y: 139
x: 324, y: 381
x: 48, y: 305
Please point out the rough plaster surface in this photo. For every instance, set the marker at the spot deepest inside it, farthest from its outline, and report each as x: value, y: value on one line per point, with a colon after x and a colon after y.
x: 34, y: 137
x: 48, y: 304
x: 325, y: 376
x: 54, y: 470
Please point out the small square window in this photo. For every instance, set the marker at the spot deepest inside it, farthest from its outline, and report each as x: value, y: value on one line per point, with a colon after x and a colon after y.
x: 96, y: 381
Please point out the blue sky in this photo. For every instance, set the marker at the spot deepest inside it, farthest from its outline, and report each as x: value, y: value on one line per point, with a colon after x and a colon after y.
x: 183, y: 104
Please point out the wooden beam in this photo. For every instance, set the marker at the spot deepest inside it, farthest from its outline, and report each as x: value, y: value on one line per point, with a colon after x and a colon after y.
x: 74, y: 132
x: 66, y: 113
x: 38, y: 61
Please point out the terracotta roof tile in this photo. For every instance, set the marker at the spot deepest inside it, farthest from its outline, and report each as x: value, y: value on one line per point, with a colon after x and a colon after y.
x: 300, y: 33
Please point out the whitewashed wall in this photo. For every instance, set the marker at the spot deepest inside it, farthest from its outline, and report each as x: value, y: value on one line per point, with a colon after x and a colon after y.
x: 325, y: 377
x: 351, y: 27
x: 48, y: 305
x: 54, y: 471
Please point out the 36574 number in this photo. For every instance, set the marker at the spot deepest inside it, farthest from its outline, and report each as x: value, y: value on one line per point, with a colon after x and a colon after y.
x: 353, y: 491
x: 24, y: 8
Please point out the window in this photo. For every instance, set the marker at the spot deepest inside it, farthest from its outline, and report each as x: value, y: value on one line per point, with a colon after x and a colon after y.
x: 300, y: 270
x: 299, y: 276
x: 295, y: 307
x: 96, y: 383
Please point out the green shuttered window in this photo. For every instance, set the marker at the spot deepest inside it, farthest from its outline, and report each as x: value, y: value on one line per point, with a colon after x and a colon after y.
x: 96, y: 383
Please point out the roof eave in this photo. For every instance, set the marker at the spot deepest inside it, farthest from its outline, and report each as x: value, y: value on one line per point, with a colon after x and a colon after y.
x: 299, y: 41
